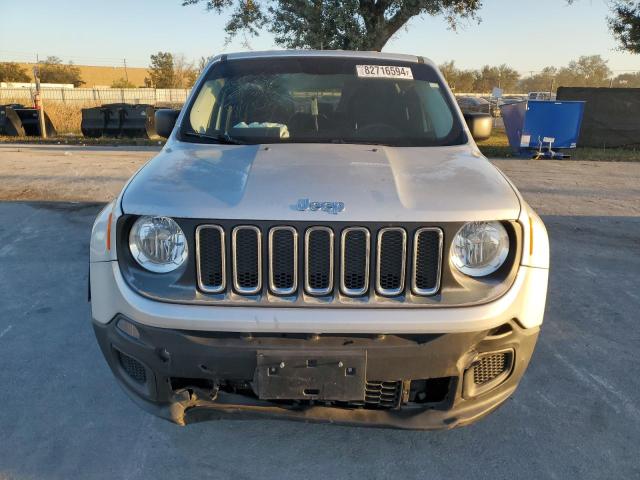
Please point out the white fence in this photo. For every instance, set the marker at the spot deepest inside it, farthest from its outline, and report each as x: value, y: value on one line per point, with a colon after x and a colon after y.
x: 151, y: 96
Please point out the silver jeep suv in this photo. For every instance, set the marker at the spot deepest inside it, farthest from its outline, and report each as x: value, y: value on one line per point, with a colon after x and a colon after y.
x: 319, y: 239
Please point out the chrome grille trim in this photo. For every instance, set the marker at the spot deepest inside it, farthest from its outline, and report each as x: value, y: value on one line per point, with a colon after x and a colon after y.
x: 236, y: 285
x: 414, y: 287
x: 307, y: 286
x: 223, y: 284
x: 272, y: 285
x: 350, y: 291
x: 391, y: 292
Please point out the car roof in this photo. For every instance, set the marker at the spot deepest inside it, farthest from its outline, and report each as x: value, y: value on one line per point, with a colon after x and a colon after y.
x: 326, y: 53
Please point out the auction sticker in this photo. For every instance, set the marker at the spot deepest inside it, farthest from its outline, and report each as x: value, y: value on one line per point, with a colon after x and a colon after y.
x: 384, y: 71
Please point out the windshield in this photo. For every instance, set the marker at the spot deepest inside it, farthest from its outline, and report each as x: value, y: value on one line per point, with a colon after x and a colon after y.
x: 322, y: 100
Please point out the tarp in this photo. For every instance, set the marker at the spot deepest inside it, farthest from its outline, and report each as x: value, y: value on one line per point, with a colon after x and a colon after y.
x: 611, y: 115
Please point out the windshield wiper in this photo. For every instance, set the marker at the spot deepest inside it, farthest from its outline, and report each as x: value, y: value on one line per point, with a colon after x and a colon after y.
x: 220, y: 138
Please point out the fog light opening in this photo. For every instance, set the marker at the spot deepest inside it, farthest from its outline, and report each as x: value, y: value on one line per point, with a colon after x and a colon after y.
x: 487, y: 372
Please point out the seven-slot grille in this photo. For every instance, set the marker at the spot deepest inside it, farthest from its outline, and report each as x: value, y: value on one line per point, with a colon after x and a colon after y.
x: 365, y: 262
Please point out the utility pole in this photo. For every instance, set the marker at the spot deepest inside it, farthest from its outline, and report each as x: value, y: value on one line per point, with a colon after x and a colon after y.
x: 126, y: 74
x: 37, y: 100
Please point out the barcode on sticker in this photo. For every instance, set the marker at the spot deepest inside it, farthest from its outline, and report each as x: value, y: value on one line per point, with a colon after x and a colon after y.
x: 384, y: 71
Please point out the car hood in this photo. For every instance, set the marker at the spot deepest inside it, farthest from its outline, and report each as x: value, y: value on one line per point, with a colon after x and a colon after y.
x: 375, y: 183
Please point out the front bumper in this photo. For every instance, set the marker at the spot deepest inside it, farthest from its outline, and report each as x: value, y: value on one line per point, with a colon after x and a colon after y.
x: 187, y: 376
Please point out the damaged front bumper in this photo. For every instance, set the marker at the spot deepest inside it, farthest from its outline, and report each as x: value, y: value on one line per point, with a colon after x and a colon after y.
x: 416, y: 381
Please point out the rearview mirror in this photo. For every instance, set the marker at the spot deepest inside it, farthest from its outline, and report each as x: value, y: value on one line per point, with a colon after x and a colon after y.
x: 165, y: 121
x: 480, y: 125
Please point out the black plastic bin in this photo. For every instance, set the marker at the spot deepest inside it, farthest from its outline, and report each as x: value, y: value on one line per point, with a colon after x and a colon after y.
x: 19, y: 121
x: 10, y: 123
x: 119, y: 120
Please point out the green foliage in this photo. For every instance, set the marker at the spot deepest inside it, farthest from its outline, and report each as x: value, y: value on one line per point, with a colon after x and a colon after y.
x: 328, y: 24
x: 161, y: 71
x: 587, y: 71
x: 625, y: 24
x: 167, y: 70
x: 502, y: 76
x: 325, y: 24
x: 122, y: 83
x: 462, y: 81
x: 13, y: 72
x: 52, y: 70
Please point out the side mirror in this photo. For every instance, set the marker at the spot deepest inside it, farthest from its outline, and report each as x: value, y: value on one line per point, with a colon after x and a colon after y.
x: 480, y: 125
x: 165, y: 121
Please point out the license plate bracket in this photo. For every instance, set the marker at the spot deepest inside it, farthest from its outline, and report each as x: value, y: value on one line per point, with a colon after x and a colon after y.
x: 330, y: 376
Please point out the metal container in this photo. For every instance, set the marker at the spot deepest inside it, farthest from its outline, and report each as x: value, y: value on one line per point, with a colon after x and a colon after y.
x: 541, y: 126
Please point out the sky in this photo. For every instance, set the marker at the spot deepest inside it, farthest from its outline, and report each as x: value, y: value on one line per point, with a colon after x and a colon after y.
x: 524, y: 34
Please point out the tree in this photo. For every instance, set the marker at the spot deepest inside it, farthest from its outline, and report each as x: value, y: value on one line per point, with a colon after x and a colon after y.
x: 325, y: 24
x: 202, y: 64
x: 161, y: 71
x: 502, y: 76
x: 627, y: 80
x: 171, y: 71
x: 122, y: 83
x: 460, y: 81
x: 52, y: 70
x: 184, y: 72
x: 13, y: 72
x: 587, y: 71
x: 540, y: 82
x: 625, y: 24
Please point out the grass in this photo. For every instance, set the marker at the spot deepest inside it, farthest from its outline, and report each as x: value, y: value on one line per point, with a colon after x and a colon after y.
x: 84, y: 141
x: 497, y: 146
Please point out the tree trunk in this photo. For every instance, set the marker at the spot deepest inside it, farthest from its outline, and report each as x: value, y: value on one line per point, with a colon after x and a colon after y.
x: 379, y: 29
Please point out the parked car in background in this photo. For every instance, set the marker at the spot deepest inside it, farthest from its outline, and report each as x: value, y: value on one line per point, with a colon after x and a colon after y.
x: 541, y: 96
x: 470, y: 104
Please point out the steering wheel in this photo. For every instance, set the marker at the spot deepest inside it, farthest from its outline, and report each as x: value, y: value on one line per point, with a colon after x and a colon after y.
x: 380, y: 130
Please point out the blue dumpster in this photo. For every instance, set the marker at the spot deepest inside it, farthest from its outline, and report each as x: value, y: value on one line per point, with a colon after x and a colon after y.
x: 536, y: 127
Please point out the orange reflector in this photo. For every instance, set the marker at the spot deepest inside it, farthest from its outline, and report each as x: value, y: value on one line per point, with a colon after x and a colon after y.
x: 109, y: 232
x: 530, y: 236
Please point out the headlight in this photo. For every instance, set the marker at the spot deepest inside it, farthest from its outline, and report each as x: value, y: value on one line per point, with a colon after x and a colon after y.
x: 158, y: 244
x: 480, y: 248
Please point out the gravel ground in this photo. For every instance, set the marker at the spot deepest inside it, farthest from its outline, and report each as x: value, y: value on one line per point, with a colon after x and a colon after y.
x: 575, y: 415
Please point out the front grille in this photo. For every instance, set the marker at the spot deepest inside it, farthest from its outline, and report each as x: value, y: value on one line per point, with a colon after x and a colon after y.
x: 427, y: 257
x: 211, y: 258
x: 406, y: 262
x: 283, y: 258
x: 318, y: 253
x: 247, y: 260
x: 391, y: 261
x: 489, y: 367
x: 354, y: 262
x: 133, y: 368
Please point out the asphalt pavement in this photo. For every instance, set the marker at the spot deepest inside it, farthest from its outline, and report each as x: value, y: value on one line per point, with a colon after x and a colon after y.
x: 62, y: 415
